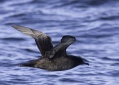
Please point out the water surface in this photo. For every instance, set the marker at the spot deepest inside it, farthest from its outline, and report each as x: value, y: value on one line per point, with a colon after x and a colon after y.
x: 94, y: 23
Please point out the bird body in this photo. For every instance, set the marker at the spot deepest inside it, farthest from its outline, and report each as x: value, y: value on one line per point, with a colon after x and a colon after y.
x: 52, y: 58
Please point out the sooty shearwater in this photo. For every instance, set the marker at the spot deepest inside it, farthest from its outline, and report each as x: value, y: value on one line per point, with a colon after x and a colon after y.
x: 52, y: 58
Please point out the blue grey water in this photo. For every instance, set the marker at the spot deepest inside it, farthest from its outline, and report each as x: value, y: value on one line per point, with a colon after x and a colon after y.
x: 94, y: 23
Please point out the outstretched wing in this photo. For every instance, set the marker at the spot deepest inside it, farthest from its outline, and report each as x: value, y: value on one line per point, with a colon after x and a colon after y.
x: 60, y: 49
x: 43, y: 41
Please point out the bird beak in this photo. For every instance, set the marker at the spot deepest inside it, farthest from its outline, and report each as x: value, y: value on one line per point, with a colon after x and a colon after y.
x: 86, y: 63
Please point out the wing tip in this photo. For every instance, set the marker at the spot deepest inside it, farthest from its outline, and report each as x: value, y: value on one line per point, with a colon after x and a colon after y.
x: 66, y: 38
x: 16, y: 26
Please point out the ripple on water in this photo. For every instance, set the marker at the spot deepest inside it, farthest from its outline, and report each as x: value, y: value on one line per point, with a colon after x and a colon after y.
x: 96, y: 32
x: 13, y: 39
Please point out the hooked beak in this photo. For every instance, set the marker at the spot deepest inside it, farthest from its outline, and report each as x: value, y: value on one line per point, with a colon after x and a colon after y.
x: 86, y: 63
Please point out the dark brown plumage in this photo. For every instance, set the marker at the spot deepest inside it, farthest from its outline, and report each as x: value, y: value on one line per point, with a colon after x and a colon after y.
x: 53, y: 58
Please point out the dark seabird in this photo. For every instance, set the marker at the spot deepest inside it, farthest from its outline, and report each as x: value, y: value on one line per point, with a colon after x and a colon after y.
x: 52, y: 58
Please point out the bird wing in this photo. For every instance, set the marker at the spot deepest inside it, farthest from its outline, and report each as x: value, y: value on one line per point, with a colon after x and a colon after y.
x: 43, y: 41
x: 60, y: 49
